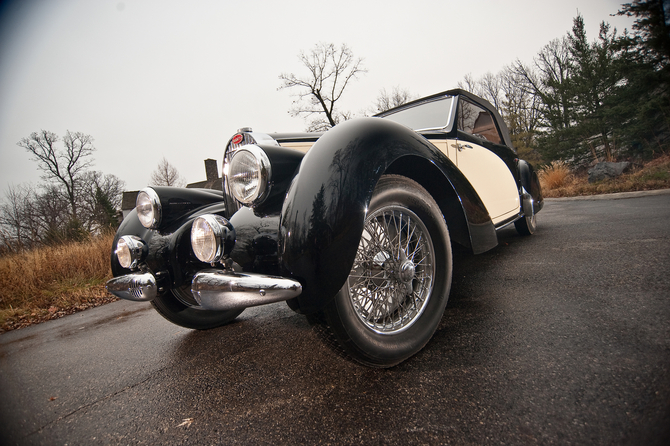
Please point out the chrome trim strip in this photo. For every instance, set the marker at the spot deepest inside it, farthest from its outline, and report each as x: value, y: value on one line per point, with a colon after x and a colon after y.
x: 509, y: 222
x: 138, y: 287
x: 216, y: 289
x: 527, y: 203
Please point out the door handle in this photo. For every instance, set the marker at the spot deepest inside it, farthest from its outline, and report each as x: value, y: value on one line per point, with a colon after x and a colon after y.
x: 460, y: 146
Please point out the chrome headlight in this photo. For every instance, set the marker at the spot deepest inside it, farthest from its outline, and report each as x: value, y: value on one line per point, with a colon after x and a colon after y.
x: 249, y: 174
x: 130, y: 251
x: 212, y: 236
x: 148, y: 207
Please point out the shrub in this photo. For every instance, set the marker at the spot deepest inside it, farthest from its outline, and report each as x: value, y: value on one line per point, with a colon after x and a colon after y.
x: 554, y: 175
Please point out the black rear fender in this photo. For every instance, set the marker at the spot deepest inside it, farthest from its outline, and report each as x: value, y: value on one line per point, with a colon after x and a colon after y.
x: 531, y: 182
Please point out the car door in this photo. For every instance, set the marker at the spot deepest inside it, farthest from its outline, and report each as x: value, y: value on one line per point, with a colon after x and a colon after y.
x: 488, y: 174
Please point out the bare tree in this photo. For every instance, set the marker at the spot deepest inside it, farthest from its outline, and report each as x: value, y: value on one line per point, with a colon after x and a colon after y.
x: 14, y: 226
x: 29, y: 218
x: 548, y: 79
x: 330, y: 71
x: 73, y: 203
x: 468, y: 84
x: 166, y: 175
x: 67, y: 167
x: 394, y: 98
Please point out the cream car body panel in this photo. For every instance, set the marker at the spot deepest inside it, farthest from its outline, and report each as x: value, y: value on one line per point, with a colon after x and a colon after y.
x: 490, y: 177
x: 443, y: 146
x: 301, y: 146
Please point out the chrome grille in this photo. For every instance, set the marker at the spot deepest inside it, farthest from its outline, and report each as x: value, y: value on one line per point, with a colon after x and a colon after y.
x: 246, y: 139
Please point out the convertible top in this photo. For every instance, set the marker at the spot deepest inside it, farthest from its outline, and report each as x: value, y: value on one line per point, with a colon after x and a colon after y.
x: 458, y: 92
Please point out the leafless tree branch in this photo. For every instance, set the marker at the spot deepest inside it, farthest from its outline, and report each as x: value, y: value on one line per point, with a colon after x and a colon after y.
x: 330, y: 70
x: 166, y: 175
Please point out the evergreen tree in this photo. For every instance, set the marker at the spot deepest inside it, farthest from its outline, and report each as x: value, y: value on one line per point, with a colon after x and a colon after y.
x: 593, y: 85
x: 648, y: 76
x: 105, y: 212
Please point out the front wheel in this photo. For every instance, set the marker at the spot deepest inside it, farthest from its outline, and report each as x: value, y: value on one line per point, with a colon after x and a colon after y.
x: 179, y: 308
x: 397, y: 290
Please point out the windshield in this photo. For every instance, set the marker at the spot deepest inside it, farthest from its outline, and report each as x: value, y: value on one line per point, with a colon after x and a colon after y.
x: 434, y: 114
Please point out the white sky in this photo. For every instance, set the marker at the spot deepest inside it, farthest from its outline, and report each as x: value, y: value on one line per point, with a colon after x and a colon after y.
x: 155, y: 78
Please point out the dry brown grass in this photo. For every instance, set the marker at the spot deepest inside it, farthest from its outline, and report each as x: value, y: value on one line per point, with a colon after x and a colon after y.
x: 555, y: 175
x: 652, y: 175
x: 51, y: 282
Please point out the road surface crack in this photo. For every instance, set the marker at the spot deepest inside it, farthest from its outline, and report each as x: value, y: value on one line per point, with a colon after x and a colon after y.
x: 93, y: 403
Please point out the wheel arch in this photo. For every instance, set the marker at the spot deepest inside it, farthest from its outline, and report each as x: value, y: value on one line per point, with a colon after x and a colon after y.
x: 325, y: 207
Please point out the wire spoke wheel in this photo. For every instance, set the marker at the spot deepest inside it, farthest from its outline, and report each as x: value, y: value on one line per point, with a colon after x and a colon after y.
x: 392, y: 275
x: 398, y: 286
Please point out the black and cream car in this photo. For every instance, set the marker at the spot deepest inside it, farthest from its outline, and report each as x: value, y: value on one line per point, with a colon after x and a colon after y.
x: 353, y: 227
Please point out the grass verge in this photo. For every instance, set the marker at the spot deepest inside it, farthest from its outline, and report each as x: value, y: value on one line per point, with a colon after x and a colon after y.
x: 51, y: 282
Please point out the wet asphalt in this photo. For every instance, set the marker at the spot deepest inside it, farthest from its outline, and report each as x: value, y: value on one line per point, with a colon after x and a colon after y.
x: 558, y: 338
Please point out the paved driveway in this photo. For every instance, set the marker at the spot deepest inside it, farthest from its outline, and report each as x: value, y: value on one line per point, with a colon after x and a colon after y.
x: 563, y: 337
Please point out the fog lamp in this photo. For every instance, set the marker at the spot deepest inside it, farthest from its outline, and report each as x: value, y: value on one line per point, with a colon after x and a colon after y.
x: 212, y: 236
x: 130, y: 251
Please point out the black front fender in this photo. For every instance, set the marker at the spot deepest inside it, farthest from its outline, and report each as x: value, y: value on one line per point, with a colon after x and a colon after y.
x: 169, y: 254
x: 323, y: 215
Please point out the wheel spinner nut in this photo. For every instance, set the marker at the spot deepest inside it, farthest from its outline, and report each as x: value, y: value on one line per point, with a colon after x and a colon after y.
x: 406, y: 271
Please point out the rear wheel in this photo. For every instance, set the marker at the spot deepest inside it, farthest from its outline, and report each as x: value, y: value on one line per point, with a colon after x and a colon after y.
x: 396, y: 292
x: 176, y: 307
x: 526, y: 225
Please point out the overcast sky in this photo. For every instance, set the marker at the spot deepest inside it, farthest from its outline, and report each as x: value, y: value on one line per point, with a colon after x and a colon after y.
x: 155, y: 78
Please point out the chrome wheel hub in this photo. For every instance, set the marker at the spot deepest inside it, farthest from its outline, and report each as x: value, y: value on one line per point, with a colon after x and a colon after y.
x: 406, y: 272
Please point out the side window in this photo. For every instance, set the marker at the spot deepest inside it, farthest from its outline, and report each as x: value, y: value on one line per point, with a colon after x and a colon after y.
x: 477, y: 121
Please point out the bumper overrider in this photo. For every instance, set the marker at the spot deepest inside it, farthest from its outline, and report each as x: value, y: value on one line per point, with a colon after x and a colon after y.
x: 212, y: 289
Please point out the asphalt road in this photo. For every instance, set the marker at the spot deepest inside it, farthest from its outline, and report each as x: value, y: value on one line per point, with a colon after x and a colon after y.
x: 559, y: 338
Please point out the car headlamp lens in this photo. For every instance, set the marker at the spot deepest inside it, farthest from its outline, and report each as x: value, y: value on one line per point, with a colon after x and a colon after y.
x: 123, y: 253
x: 148, y: 206
x: 212, y: 237
x: 203, y: 240
x: 248, y: 175
x: 130, y: 251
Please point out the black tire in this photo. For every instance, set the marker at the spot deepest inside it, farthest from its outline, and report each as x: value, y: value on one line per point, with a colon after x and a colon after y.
x: 526, y: 225
x: 398, y: 287
x: 177, y: 310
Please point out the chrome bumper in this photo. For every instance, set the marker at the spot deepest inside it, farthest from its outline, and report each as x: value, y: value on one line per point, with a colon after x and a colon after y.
x: 216, y: 289
x: 213, y: 289
x: 140, y: 287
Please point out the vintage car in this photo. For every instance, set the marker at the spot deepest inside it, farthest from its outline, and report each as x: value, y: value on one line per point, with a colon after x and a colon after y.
x: 353, y: 227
